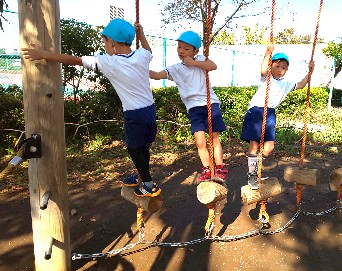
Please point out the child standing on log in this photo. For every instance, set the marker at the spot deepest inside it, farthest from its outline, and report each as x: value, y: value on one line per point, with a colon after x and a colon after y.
x: 189, y: 75
x: 128, y: 72
x: 280, y: 87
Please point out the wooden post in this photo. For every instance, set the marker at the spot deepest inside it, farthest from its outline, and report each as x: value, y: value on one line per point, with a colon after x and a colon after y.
x: 44, y: 115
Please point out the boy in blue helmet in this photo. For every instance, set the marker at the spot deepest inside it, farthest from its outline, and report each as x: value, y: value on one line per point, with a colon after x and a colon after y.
x: 252, y: 124
x: 189, y: 75
x: 128, y: 72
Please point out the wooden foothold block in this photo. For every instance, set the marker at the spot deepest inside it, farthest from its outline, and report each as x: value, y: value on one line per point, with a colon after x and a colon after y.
x: 267, y: 188
x: 336, y: 179
x: 210, y: 192
x: 305, y: 176
x: 151, y: 204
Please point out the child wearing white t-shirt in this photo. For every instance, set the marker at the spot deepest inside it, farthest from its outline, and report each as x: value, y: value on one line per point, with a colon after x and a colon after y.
x: 128, y: 72
x: 280, y: 87
x: 189, y: 76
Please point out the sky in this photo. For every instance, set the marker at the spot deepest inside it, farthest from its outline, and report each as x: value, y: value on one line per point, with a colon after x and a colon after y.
x: 299, y: 14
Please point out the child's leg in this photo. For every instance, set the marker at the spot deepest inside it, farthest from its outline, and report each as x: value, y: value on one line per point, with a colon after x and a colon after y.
x: 253, y: 164
x: 201, y: 143
x: 203, y: 153
x: 268, y: 148
x: 218, y: 153
x: 141, y: 163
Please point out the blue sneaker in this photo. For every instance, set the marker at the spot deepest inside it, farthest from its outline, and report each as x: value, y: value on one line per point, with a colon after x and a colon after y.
x: 144, y: 191
x: 131, y: 181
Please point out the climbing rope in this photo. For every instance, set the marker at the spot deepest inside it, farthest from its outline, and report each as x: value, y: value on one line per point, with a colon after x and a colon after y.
x: 137, y: 20
x: 211, y: 218
x: 207, y: 81
x: 263, y: 216
x: 307, y: 106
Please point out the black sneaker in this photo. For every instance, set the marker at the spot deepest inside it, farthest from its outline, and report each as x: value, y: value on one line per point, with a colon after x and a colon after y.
x: 131, y: 180
x: 252, y: 181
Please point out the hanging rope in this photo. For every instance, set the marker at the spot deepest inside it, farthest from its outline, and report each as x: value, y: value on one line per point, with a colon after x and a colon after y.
x: 206, y: 54
x: 137, y: 20
x: 269, y: 72
x: 211, y: 218
x: 140, y: 218
x: 263, y: 216
x: 307, y: 102
x: 299, y: 187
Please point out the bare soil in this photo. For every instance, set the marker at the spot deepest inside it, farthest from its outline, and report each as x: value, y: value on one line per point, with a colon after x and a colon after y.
x: 104, y: 221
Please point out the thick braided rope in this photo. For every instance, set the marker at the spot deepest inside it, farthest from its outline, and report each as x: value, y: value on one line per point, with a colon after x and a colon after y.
x: 211, y: 217
x: 262, y: 212
x: 263, y: 216
x: 210, y: 126
x: 140, y: 218
x: 307, y: 102
x: 299, y: 191
x: 137, y: 20
x: 269, y: 69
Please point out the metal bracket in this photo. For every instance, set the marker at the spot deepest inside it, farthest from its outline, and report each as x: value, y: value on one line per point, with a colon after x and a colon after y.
x: 32, y: 147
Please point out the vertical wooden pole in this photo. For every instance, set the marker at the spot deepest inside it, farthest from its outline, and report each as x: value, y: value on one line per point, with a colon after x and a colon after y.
x: 44, y: 115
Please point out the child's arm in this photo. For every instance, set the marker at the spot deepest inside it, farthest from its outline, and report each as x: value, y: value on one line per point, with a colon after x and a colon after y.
x: 305, y: 80
x: 264, y: 64
x: 158, y: 75
x: 207, y: 65
x: 144, y: 43
x: 38, y: 54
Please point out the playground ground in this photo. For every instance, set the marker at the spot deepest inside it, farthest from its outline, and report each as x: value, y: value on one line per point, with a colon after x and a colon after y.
x: 102, y: 220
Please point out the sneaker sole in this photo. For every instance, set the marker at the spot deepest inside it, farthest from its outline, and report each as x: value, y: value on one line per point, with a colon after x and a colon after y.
x: 149, y: 195
x: 130, y: 185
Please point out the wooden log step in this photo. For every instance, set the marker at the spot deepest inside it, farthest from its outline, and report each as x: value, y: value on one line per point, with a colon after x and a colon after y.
x: 211, y: 192
x: 303, y: 176
x: 267, y: 188
x: 335, y: 179
x: 151, y: 204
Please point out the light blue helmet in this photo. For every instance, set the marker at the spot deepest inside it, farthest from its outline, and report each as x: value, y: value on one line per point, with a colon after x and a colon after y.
x: 191, y: 38
x: 281, y: 56
x: 119, y: 30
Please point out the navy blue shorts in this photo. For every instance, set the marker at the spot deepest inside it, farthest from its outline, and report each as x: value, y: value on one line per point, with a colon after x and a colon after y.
x: 252, y: 124
x: 199, y: 118
x: 140, y: 126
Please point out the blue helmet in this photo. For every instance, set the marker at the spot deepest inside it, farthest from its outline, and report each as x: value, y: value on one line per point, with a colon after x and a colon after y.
x: 278, y: 56
x: 191, y: 38
x: 119, y: 30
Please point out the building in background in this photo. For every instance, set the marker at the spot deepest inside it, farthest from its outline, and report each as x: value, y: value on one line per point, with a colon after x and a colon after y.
x: 115, y: 11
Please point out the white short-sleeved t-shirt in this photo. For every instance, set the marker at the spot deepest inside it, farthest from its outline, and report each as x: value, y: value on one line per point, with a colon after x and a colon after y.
x: 191, y: 84
x: 129, y: 75
x: 279, y: 89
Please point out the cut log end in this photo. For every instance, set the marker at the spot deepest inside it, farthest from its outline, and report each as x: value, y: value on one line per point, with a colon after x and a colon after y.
x: 150, y: 204
x: 336, y: 179
x: 268, y: 188
x: 303, y: 176
x: 211, y: 192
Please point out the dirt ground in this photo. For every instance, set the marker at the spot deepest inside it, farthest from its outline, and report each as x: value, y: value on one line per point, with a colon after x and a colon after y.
x: 104, y: 221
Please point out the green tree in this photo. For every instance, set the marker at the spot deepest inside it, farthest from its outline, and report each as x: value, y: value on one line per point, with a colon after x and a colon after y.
x: 224, y: 39
x: 78, y: 39
x: 255, y: 36
x: 196, y: 11
x: 288, y: 36
x: 334, y: 50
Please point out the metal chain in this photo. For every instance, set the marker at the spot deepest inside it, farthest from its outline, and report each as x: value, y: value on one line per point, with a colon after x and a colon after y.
x: 207, y: 237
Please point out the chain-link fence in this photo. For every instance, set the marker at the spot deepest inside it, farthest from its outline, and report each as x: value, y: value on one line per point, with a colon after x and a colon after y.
x: 238, y: 65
